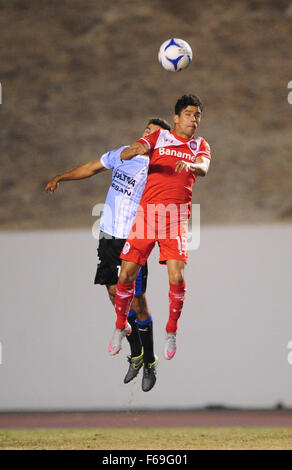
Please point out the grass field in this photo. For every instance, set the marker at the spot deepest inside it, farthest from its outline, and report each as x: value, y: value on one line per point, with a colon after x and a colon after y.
x: 148, y: 438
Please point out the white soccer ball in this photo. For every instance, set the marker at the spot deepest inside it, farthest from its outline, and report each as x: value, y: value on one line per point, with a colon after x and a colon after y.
x: 175, y: 55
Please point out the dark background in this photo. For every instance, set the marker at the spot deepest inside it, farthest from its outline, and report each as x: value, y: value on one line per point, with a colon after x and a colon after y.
x: 81, y: 77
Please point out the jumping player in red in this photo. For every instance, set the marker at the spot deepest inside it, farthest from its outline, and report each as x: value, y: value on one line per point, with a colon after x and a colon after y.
x: 177, y: 157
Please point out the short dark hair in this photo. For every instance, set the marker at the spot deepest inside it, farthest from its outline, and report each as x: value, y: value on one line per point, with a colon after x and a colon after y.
x: 159, y: 122
x: 188, y: 100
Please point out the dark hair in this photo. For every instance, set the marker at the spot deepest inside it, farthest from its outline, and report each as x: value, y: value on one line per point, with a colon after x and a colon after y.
x: 187, y: 100
x: 159, y: 122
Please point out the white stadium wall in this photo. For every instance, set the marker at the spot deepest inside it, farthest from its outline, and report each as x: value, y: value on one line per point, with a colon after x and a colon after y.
x: 233, y: 336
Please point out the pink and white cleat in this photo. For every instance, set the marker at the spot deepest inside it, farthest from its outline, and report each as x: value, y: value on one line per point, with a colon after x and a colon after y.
x: 170, y: 346
x: 116, y: 342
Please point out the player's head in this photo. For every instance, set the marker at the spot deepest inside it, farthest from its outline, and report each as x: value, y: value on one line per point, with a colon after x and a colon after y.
x: 187, y: 117
x: 154, y: 124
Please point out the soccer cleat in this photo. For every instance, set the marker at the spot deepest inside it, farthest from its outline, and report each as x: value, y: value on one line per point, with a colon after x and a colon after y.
x: 149, y: 375
x: 170, y: 346
x: 135, y: 365
x: 116, y: 342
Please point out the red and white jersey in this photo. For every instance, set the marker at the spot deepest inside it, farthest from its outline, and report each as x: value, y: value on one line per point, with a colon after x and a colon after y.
x: 164, y: 185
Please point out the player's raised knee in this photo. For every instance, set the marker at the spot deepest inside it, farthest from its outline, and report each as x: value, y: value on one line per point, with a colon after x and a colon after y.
x: 176, y: 277
x: 129, y: 272
x: 127, y: 276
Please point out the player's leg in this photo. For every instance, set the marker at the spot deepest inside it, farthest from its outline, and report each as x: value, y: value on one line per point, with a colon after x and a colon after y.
x: 139, y: 309
x: 123, y: 299
x: 134, y: 338
x: 177, y: 292
x: 108, y: 267
x: 145, y: 326
x: 136, y: 357
x: 173, y: 252
x: 144, y: 318
x: 134, y: 255
x: 150, y: 360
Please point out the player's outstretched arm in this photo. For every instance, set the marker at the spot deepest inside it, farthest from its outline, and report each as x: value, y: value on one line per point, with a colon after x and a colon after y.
x: 200, y: 168
x: 137, y: 148
x: 83, y: 171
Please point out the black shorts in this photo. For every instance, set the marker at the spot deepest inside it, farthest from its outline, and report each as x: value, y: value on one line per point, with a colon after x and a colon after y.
x: 109, y: 263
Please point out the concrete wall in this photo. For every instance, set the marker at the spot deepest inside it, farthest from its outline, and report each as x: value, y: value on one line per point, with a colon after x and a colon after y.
x: 55, y: 325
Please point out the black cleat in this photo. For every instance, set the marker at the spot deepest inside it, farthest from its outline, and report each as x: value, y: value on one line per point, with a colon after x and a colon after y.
x: 149, y: 375
x: 135, y: 365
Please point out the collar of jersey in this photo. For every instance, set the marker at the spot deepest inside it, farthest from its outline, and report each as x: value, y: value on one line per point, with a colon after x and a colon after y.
x: 182, y: 139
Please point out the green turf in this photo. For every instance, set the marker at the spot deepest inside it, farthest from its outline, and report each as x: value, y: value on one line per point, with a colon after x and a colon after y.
x: 148, y: 438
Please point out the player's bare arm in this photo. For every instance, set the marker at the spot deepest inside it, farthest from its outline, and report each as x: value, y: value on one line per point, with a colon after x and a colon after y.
x: 137, y: 148
x: 200, y: 168
x: 83, y: 171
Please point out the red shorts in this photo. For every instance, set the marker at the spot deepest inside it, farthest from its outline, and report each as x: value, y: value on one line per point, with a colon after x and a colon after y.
x: 170, y: 236
x: 138, y: 250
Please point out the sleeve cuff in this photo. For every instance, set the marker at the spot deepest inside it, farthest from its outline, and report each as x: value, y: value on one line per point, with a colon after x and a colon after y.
x: 103, y: 161
x: 144, y: 141
x: 205, y: 154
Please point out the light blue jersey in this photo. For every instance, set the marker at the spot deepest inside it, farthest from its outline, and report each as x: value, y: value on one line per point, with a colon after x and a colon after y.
x: 123, y: 198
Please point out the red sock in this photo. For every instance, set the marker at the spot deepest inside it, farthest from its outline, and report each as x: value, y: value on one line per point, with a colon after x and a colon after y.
x: 177, y: 294
x: 123, y: 300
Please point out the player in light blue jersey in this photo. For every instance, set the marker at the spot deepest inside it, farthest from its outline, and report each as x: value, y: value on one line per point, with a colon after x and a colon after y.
x: 123, y: 198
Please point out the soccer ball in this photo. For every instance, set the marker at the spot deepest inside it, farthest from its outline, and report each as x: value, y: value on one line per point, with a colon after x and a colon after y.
x: 175, y: 55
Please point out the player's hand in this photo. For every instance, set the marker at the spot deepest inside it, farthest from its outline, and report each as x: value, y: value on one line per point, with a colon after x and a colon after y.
x: 51, y: 186
x: 181, y: 165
